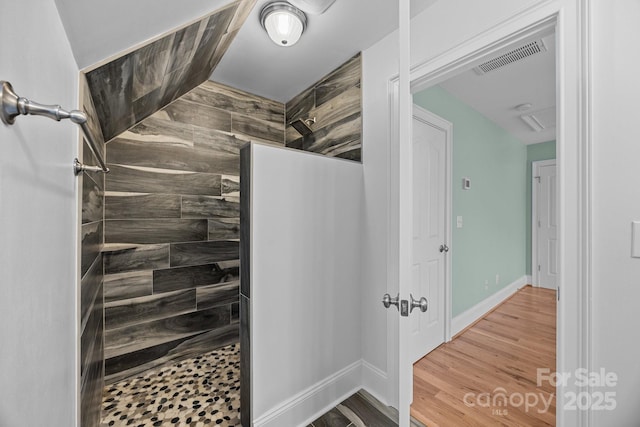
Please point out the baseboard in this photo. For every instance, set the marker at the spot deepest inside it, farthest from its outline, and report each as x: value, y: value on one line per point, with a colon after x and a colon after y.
x: 375, y: 381
x: 467, y: 318
x: 315, y: 400
x: 529, y: 279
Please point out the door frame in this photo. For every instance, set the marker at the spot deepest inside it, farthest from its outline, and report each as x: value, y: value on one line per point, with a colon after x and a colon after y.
x: 574, y: 88
x: 534, y: 210
x: 446, y: 126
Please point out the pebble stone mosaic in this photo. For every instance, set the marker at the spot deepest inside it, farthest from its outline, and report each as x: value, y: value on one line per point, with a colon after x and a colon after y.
x: 197, y: 392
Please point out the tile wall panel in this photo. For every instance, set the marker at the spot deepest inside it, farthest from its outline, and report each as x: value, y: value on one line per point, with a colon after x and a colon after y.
x: 130, y: 88
x: 336, y: 103
x: 172, y: 206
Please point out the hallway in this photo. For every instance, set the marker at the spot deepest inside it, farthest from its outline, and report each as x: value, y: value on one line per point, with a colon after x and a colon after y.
x: 488, y: 374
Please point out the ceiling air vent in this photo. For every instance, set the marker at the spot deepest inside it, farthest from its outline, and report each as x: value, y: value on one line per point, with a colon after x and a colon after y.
x: 529, y: 49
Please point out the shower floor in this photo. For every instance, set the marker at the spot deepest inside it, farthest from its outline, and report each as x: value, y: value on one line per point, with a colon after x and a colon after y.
x: 196, y: 392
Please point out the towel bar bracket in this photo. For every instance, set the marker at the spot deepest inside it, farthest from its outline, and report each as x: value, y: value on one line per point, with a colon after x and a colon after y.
x: 14, y: 105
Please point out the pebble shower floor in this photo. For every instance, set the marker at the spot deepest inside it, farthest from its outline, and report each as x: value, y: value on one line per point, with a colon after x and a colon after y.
x: 197, y: 392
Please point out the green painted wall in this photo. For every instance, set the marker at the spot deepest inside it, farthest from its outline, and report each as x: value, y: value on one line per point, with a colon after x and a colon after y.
x: 492, y: 240
x: 535, y: 152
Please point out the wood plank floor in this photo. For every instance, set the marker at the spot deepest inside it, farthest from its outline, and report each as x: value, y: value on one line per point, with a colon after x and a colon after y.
x: 487, y: 375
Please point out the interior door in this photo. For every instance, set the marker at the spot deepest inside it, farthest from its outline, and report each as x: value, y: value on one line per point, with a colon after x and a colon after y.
x: 429, y: 232
x: 545, y: 224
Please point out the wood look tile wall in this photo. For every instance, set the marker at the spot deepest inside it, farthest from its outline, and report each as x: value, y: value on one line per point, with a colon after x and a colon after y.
x: 91, y: 285
x: 336, y: 103
x: 136, y: 85
x: 171, y: 228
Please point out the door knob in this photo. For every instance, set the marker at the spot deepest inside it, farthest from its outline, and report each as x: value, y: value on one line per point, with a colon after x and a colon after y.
x: 422, y: 303
x: 444, y: 248
x: 387, y: 301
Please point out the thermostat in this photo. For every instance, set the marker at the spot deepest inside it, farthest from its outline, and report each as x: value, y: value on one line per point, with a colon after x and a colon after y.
x: 466, y: 183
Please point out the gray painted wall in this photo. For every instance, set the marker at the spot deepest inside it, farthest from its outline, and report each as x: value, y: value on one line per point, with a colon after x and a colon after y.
x: 39, y: 224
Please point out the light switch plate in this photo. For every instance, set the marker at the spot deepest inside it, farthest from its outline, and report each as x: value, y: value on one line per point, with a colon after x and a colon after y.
x: 635, y: 239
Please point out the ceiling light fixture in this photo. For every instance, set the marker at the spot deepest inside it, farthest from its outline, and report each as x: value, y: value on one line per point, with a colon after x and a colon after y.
x: 283, y: 22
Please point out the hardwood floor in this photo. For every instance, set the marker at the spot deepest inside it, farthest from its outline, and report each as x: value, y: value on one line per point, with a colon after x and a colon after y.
x: 488, y: 374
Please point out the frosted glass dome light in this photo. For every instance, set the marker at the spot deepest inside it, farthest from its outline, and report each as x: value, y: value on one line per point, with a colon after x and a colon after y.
x: 283, y: 22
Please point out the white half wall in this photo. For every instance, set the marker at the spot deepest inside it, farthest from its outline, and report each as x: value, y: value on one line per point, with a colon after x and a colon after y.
x: 306, y: 220
x: 38, y: 225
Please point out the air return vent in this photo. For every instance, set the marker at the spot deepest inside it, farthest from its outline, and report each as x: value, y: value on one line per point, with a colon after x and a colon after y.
x: 512, y: 56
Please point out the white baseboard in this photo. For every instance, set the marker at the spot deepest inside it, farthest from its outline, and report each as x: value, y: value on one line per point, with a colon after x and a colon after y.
x: 375, y: 381
x: 315, y: 400
x: 461, y: 321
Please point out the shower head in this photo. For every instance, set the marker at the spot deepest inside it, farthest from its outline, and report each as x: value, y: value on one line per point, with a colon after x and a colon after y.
x: 303, y: 126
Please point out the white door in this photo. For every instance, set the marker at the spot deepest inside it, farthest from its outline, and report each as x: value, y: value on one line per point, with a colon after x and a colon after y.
x: 430, y: 237
x: 544, y: 224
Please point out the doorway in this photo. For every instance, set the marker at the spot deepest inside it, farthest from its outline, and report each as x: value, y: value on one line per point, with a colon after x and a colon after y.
x: 571, y: 337
x: 544, y: 224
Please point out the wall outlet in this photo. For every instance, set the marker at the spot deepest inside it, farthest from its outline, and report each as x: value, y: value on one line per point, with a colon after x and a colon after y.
x: 497, y: 279
x: 459, y: 221
x: 486, y: 285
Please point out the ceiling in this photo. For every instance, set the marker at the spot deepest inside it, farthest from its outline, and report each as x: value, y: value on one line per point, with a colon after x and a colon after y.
x: 496, y: 93
x: 99, y: 29
x: 255, y: 64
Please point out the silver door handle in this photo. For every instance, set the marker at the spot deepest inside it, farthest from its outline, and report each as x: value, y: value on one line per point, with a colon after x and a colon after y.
x: 444, y: 248
x: 387, y: 301
x: 422, y: 303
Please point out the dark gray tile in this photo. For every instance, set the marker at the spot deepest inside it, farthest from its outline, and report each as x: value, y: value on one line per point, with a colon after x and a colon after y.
x: 92, y: 378
x: 184, y: 254
x: 92, y: 200
x: 195, y: 276
x: 333, y: 418
x: 146, y: 180
x: 128, y: 285
x: 112, y: 92
x: 160, y: 143
x: 89, y: 159
x: 235, y: 310
x: 150, y: 65
x: 147, y: 104
x: 182, y: 47
x: 143, y: 309
x: 301, y: 105
x: 213, y: 296
x: 89, y: 286
x: 155, y: 230
x: 126, y: 258
x: 334, y: 140
x: 266, y: 131
x: 344, y: 77
x: 91, y: 243
x: 227, y: 98
x: 93, y: 122
x: 149, y: 334
x: 365, y: 412
x: 210, y: 207
x: 245, y: 220
x: 224, y: 229
x: 129, y: 364
x: 133, y: 205
x: 214, y: 31
x: 199, y: 115
x: 231, y: 185
x: 91, y: 333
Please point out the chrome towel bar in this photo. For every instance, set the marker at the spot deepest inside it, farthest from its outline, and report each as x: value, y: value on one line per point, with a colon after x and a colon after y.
x: 13, y: 106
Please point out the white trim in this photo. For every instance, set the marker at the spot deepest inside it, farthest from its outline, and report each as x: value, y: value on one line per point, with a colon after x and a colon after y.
x: 468, y: 317
x: 316, y: 400
x: 375, y: 381
x: 535, y: 280
x: 446, y: 126
x: 529, y: 279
